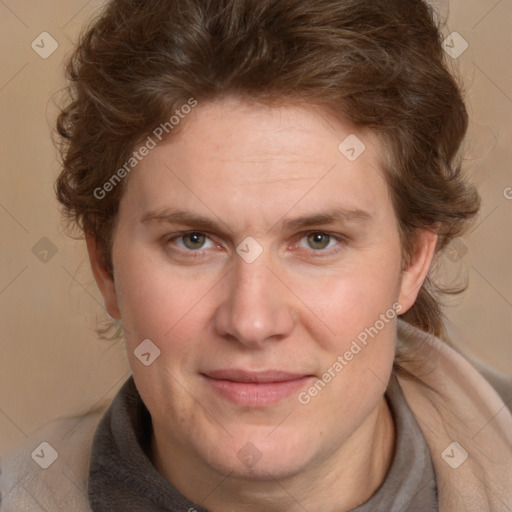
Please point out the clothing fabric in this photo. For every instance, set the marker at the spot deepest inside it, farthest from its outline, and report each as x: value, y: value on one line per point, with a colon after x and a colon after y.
x: 122, y: 476
x: 465, y: 424
x: 410, y: 485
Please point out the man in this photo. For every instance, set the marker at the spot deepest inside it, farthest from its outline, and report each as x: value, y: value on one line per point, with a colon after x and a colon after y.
x: 263, y: 187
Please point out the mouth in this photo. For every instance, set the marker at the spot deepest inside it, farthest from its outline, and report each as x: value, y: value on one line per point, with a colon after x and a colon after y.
x: 255, y: 389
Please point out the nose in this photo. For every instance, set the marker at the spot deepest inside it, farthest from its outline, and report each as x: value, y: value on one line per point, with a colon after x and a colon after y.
x: 257, y: 306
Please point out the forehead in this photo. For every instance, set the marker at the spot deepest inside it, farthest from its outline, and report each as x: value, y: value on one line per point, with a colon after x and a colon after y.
x: 239, y: 157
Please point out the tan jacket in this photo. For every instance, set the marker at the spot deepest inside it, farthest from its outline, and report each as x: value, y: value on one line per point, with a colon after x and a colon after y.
x: 467, y: 426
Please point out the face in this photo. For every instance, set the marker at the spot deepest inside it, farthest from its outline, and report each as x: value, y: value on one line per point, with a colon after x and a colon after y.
x: 265, y: 265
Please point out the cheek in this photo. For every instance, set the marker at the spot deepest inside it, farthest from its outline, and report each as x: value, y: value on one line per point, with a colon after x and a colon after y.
x: 153, y: 301
x: 353, y: 299
x: 357, y: 355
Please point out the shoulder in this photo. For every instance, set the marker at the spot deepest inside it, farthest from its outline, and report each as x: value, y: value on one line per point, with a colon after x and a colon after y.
x: 466, y: 423
x: 448, y: 370
x: 454, y: 382
x: 501, y: 383
x: 49, y: 470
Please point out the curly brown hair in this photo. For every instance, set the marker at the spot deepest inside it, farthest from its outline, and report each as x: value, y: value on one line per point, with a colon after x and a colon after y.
x: 378, y: 63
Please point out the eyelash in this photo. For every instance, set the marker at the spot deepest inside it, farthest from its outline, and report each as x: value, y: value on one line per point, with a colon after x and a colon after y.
x: 319, y: 253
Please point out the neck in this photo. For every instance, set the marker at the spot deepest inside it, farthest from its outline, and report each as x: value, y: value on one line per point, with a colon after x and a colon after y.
x: 338, y: 483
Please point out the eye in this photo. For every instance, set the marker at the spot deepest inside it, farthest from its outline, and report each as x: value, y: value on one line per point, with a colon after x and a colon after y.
x: 320, y: 242
x: 192, y: 241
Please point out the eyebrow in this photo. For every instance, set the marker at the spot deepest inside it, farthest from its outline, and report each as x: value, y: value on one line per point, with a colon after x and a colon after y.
x: 169, y: 216
x: 346, y: 215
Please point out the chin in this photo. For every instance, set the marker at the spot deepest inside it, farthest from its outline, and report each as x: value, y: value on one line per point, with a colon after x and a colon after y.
x: 263, y: 470
x: 264, y: 459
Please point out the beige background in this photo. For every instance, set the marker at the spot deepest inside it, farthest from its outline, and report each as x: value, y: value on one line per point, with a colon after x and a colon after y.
x: 51, y: 363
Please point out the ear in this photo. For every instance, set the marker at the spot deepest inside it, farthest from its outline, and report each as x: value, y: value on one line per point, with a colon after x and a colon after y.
x: 414, y: 276
x: 103, y: 278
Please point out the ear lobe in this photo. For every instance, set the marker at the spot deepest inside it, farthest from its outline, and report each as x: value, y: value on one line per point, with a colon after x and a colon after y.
x: 414, y: 276
x: 102, y: 277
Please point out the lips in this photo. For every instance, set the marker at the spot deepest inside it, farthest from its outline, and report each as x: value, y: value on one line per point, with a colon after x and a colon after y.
x: 253, y: 388
x: 236, y: 375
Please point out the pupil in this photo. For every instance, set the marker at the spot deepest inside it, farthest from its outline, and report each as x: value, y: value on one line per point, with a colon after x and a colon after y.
x: 195, y: 239
x: 318, y: 238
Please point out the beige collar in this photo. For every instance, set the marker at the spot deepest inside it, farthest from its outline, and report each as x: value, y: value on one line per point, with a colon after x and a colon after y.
x: 466, y: 410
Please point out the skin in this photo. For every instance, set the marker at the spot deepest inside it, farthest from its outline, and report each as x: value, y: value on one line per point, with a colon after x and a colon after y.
x: 248, y: 168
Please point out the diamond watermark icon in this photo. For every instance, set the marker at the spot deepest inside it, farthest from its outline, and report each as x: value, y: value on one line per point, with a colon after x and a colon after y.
x: 249, y: 250
x: 44, y: 250
x: 455, y: 45
x: 45, y: 455
x: 249, y: 455
x: 44, y: 45
x: 146, y: 352
x: 454, y: 455
x: 352, y: 147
